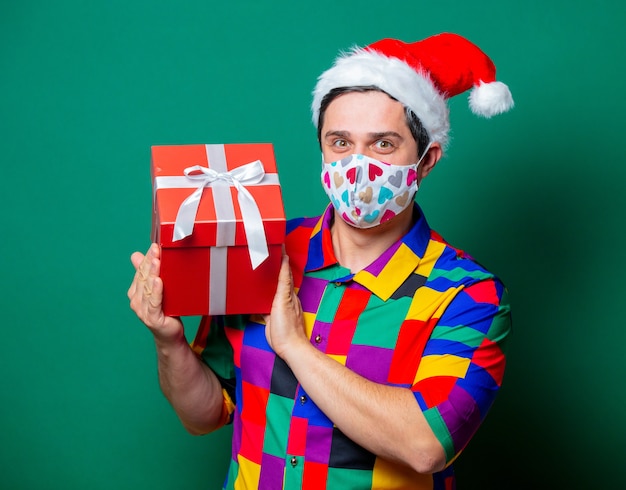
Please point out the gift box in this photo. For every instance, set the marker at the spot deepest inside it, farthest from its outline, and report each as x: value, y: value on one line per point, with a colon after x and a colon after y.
x: 219, y: 219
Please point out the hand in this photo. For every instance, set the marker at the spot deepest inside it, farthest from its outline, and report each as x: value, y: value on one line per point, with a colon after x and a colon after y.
x: 284, y: 326
x: 146, y: 296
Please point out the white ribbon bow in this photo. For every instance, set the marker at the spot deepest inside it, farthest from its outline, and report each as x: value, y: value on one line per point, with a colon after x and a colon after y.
x: 249, y: 174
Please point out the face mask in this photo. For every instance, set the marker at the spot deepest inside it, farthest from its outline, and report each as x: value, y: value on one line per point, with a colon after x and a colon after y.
x: 367, y: 192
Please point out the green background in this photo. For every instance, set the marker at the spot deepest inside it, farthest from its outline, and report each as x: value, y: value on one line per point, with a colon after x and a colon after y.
x: 537, y: 195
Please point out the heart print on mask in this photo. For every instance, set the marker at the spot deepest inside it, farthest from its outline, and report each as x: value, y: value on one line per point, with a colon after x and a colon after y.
x: 386, y: 190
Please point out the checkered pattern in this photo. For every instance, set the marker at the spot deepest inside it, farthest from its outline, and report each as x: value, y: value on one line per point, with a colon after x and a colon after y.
x: 424, y: 316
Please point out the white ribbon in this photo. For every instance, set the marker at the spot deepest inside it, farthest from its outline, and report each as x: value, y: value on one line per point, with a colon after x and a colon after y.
x: 218, y: 277
x: 200, y: 177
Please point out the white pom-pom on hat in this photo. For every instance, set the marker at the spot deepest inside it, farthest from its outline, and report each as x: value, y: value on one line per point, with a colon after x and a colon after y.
x: 490, y: 99
x: 422, y: 76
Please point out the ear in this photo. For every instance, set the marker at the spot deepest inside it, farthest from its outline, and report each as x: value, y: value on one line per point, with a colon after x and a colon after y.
x: 430, y: 160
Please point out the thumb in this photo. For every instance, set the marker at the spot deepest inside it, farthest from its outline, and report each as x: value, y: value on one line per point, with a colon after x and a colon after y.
x: 285, y: 279
x: 284, y: 287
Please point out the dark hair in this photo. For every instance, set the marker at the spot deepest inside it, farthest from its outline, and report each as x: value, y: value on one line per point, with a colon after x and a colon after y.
x: 419, y: 133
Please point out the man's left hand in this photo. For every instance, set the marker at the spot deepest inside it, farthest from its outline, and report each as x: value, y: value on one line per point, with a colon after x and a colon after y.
x: 284, y: 328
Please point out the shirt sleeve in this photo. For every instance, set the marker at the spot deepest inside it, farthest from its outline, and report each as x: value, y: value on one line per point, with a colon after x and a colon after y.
x: 212, y: 346
x: 463, y: 363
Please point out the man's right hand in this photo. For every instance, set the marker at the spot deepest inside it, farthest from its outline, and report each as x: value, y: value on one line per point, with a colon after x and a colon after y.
x: 191, y: 387
x: 146, y: 297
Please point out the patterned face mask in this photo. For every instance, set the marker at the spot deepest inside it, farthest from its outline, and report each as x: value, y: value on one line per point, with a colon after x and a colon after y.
x: 367, y: 192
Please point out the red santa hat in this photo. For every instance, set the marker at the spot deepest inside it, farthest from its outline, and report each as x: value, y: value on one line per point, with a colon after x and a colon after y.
x: 422, y: 76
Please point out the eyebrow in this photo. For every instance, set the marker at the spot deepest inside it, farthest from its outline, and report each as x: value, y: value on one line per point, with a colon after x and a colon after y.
x: 341, y: 134
x: 376, y: 135
x: 385, y: 134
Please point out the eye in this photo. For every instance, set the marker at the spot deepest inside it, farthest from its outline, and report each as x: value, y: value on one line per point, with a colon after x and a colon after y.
x: 340, y: 143
x: 384, y: 145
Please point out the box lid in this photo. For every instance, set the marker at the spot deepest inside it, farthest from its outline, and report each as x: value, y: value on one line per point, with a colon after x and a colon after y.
x: 172, y: 160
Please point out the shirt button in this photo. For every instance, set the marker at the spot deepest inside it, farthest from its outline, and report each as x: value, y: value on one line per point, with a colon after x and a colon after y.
x: 337, y: 284
x: 318, y: 339
x: 294, y: 461
x: 303, y: 399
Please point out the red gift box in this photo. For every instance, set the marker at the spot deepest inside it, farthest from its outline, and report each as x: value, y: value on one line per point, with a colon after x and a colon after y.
x: 219, y: 219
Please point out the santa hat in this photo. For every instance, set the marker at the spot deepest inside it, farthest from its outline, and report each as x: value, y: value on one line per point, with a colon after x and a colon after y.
x: 422, y: 76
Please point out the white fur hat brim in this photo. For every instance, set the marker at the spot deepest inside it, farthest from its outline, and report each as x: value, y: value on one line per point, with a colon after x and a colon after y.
x: 360, y: 68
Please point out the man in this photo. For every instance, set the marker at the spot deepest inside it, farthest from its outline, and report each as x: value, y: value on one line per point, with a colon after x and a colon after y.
x: 384, y: 347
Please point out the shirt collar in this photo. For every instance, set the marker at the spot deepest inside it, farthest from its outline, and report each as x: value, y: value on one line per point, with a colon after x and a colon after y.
x: 387, y: 273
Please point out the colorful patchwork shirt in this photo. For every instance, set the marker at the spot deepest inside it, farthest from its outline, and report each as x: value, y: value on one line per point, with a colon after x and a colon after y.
x: 424, y: 316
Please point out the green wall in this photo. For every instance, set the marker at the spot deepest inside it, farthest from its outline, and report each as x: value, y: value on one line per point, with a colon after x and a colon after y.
x: 538, y: 195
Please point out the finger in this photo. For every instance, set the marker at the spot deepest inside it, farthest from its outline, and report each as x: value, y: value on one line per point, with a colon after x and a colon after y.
x: 143, y: 302
x: 140, y: 275
x: 155, y: 250
x: 146, y: 277
x: 147, y: 266
x: 285, y: 270
x: 284, y: 287
x: 150, y: 263
x: 147, y: 288
x: 154, y: 300
x: 136, y: 258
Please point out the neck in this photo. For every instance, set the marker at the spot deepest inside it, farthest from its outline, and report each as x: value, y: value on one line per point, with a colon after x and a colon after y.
x: 356, y: 248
